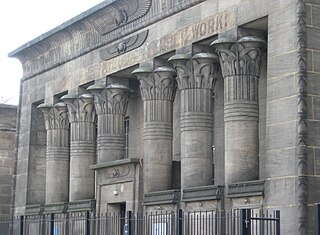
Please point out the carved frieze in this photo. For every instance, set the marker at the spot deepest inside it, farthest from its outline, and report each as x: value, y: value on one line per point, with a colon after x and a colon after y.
x: 118, y: 13
x: 124, y: 46
x: 80, y: 109
x: 112, y: 99
x: 56, y: 116
x: 113, y: 173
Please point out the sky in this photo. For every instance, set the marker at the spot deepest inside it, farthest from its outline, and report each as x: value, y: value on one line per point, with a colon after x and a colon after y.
x: 24, y: 20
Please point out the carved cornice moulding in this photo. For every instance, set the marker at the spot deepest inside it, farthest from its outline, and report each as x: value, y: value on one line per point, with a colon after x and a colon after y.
x: 94, y: 28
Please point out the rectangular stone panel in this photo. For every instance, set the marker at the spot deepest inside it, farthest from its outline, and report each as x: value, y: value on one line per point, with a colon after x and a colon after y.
x: 279, y: 163
x: 281, y: 135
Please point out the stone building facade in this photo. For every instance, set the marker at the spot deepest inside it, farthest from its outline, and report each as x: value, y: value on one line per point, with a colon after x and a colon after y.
x: 8, y: 114
x: 144, y: 105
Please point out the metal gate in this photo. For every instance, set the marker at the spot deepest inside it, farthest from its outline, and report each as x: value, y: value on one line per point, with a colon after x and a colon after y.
x: 259, y: 223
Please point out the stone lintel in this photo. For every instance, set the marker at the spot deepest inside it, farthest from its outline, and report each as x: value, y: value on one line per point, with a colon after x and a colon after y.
x: 82, y: 205
x: 245, y: 189
x: 115, y: 163
x: 161, y: 197
x: 202, y: 193
x: 60, y: 207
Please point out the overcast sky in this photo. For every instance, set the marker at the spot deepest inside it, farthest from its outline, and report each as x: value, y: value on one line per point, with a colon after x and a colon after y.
x: 20, y: 22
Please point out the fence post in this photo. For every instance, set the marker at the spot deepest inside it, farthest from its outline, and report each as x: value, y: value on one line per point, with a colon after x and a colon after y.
x: 21, y: 224
x: 129, y: 222
x: 179, y: 217
x: 278, y: 222
x: 245, y: 222
x: 87, y: 223
x: 317, y: 218
x: 52, y: 224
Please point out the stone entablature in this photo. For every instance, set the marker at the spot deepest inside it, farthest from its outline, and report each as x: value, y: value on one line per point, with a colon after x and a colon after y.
x: 103, y: 24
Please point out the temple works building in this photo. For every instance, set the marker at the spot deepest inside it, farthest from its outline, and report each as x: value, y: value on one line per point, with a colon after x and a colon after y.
x: 175, y: 105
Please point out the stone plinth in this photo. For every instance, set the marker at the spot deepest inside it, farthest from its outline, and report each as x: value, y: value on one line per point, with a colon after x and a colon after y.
x: 82, y: 145
x: 241, y: 64
x: 111, y: 104
x: 158, y: 90
x: 196, y: 80
x: 57, y: 152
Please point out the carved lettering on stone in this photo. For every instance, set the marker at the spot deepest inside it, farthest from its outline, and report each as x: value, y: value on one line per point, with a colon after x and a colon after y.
x: 124, y: 46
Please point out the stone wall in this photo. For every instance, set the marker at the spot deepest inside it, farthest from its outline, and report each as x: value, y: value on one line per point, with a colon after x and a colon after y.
x: 7, y: 144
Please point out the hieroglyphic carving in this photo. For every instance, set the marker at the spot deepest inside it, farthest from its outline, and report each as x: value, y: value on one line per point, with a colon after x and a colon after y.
x: 56, y: 116
x: 124, y: 46
x: 119, y: 13
x: 302, y: 128
x: 81, y: 109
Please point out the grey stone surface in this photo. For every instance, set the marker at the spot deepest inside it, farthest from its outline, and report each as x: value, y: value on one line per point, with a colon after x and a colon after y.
x: 67, y: 63
x: 8, y: 115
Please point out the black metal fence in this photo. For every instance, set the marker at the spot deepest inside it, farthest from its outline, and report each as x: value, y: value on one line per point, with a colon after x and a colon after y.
x: 235, y: 222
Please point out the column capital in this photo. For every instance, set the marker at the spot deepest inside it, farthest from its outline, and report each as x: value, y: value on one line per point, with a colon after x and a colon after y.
x: 80, y: 108
x: 240, y: 58
x: 158, y: 84
x: 56, y: 116
x: 110, y: 99
x: 196, y: 72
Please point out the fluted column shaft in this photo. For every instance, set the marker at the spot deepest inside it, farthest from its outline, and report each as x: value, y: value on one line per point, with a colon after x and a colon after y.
x: 158, y: 90
x: 111, y: 104
x: 241, y: 64
x: 196, y: 79
x: 57, y: 152
x: 82, y: 145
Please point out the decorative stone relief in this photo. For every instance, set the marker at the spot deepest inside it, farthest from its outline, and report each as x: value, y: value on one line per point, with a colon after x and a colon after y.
x: 200, y: 71
x: 112, y: 99
x: 124, y: 46
x: 81, y: 109
x: 56, y: 116
x: 158, y: 84
x: 241, y: 64
x: 118, y: 13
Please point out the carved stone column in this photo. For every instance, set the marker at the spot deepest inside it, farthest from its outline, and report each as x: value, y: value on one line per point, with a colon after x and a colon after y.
x: 241, y: 64
x: 111, y: 104
x: 196, y: 80
x: 57, y: 154
x: 158, y: 90
x: 82, y: 145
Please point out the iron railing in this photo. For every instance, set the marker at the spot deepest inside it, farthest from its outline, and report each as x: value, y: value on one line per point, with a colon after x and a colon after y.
x: 214, y: 222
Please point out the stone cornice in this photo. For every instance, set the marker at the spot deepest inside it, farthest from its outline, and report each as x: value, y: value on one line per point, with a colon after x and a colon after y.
x: 100, y: 25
